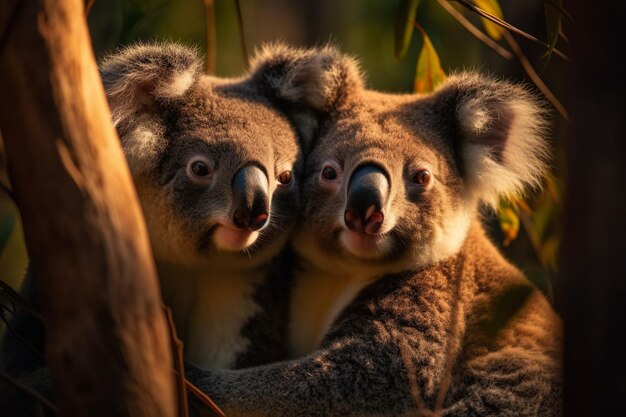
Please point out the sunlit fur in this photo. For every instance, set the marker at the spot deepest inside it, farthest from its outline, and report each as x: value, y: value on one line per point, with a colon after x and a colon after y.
x: 371, y: 331
x: 168, y: 114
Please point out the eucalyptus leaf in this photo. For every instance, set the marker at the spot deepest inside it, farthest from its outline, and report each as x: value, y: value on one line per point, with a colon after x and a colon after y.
x: 405, y: 16
x: 491, y: 7
x: 553, y: 23
x: 508, y: 217
x: 7, y: 224
x: 429, y: 73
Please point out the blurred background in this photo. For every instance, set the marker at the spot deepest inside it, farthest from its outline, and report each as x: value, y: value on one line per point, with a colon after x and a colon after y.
x: 528, y: 230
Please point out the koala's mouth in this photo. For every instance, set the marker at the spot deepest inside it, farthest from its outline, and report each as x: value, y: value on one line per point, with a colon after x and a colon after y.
x: 232, y: 240
x: 364, y: 245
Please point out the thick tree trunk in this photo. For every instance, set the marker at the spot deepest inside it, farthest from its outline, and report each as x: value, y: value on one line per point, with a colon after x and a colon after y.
x: 107, y: 341
x: 592, y: 291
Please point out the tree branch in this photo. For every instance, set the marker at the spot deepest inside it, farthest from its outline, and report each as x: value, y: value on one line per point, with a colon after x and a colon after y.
x: 106, y: 337
x: 536, y: 79
x: 474, y: 30
x: 242, y: 34
x: 211, y: 42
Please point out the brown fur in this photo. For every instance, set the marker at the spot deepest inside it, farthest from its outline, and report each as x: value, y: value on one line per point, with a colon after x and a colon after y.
x: 226, y: 308
x: 434, y: 289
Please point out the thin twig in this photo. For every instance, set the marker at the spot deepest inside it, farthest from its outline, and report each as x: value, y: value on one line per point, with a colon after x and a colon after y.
x: 21, y: 339
x: 205, y: 399
x: 474, y: 30
x: 88, y: 6
x: 451, y: 343
x: 534, y: 238
x: 18, y: 6
x: 561, y: 9
x: 30, y: 392
x: 242, y: 34
x: 533, y: 75
x: 211, y: 37
x: 7, y: 191
x: 507, y: 25
x: 177, y: 350
x: 14, y: 296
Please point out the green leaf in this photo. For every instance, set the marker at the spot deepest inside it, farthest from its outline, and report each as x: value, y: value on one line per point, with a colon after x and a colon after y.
x: 553, y: 23
x: 509, y: 221
x: 491, y: 7
x: 551, y: 251
x: 7, y: 223
x: 405, y: 16
x: 429, y: 73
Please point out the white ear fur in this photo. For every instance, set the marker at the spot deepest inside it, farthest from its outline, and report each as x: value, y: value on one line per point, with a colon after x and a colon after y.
x: 143, y: 144
x: 503, y: 128
x: 134, y: 79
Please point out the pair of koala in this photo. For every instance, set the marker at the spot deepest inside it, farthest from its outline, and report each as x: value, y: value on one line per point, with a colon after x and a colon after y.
x: 389, y: 288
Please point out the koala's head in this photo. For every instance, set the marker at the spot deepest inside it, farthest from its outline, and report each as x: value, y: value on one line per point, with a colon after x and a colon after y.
x: 214, y: 162
x: 394, y: 181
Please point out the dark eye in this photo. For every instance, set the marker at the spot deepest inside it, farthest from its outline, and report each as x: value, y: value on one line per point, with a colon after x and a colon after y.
x: 285, y: 178
x: 422, y: 177
x: 329, y: 173
x: 199, y: 169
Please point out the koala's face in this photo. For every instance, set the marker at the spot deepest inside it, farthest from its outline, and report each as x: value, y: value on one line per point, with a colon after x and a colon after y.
x: 393, y: 182
x: 382, y: 189
x: 215, y: 166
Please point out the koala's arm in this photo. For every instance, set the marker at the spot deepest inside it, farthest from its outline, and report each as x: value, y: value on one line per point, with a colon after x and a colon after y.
x: 349, y: 378
x: 519, y: 374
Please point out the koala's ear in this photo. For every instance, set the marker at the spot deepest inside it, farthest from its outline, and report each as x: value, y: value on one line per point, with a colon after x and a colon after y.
x: 135, y: 79
x: 311, y: 82
x: 501, y: 130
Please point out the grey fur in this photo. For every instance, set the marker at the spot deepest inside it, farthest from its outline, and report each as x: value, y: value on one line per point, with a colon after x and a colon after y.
x: 435, y: 285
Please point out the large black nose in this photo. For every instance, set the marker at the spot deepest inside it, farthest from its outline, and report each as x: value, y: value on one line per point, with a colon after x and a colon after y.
x: 368, y: 190
x: 250, y: 198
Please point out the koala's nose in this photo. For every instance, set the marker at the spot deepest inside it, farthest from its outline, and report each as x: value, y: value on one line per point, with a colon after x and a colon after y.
x: 368, y: 190
x: 250, y: 198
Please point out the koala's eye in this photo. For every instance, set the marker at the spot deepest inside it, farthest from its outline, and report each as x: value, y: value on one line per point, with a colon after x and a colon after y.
x: 329, y: 173
x: 199, y: 169
x: 285, y: 178
x: 422, y: 177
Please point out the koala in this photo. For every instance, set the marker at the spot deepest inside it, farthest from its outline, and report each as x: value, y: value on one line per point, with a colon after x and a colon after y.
x: 400, y: 304
x: 215, y: 163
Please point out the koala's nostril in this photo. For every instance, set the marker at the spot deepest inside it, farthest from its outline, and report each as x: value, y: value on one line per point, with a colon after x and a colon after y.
x: 241, y: 218
x: 373, y: 222
x: 353, y: 221
x: 259, y: 221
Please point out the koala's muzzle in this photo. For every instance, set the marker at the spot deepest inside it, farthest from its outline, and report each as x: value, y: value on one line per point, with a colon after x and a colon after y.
x: 250, y: 198
x: 368, y: 190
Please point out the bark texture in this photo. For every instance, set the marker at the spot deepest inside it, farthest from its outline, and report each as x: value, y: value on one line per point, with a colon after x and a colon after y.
x: 107, y: 341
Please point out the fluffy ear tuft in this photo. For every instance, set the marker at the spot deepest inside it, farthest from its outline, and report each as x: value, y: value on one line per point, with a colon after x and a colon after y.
x: 502, y: 132
x: 135, y: 79
x: 138, y: 75
x: 318, y: 78
x: 311, y: 83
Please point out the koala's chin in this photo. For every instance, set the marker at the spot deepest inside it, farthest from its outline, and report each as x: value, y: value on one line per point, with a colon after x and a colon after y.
x: 366, y: 246
x: 228, y: 239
